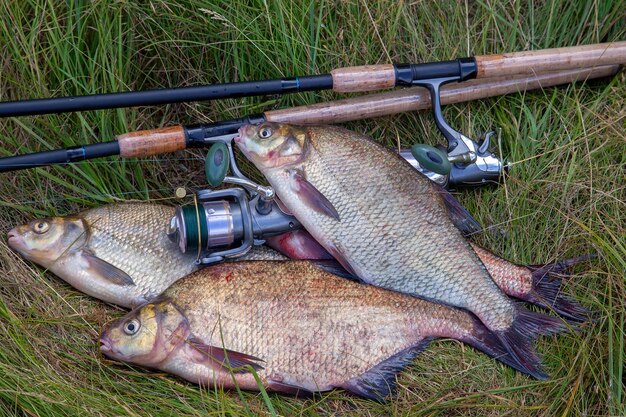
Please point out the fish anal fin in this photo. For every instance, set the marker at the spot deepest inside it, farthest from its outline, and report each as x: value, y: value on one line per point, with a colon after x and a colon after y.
x: 341, y: 258
x: 459, y: 216
x: 105, y: 270
x: 276, y: 384
x: 334, y: 267
x: 310, y: 195
x: 380, y: 381
x: 224, y: 358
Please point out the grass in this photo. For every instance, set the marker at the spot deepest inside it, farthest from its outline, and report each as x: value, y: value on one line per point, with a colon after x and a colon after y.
x: 564, y: 196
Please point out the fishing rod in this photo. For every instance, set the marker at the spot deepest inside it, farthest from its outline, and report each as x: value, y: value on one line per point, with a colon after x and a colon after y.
x: 343, y: 80
x: 474, y: 166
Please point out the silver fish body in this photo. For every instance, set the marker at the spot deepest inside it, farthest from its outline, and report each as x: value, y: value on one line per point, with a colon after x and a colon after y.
x: 118, y: 253
x: 385, y: 222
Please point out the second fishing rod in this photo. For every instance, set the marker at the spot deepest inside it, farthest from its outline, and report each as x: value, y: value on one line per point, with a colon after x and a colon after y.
x: 462, y: 162
x: 343, y: 80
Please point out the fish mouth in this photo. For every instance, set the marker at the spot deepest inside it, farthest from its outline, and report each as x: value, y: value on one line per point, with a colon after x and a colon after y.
x: 14, y: 239
x: 106, y: 345
x: 239, y: 140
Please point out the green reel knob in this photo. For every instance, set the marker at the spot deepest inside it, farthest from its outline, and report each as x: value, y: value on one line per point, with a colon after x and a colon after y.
x: 431, y: 158
x: 216, y: 164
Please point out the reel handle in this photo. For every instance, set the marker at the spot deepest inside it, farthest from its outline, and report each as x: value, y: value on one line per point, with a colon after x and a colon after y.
x: 216, y: 164
x: 431, y: 158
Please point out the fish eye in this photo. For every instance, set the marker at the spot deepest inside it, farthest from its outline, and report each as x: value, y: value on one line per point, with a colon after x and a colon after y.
x: 131, y: 327
x: 41, y: 226
x: 265, y: 133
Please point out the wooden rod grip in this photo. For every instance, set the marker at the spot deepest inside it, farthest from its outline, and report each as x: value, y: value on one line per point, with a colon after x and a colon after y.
x: 418, y: 98
x: 364, y: 78
x: 556, y: 59
x: 151, y: 142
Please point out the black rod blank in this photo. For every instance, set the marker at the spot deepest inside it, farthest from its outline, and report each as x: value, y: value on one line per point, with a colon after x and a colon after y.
x: 59, y: 156
x: 164, y: 96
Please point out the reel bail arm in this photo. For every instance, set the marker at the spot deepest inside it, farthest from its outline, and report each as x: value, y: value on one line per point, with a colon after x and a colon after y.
x: 465, y: 162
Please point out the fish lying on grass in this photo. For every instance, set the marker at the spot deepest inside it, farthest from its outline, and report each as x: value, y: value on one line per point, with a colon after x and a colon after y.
x: 118, y: 253
x: 355, y: 197
x: 300, y: 328
x: 59, y: 247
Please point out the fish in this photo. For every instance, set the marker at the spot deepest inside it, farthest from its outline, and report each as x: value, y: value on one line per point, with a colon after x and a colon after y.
x: 537, y: 284
x: 356, y: 197
x: 298, y: 327
x: 118, y: 253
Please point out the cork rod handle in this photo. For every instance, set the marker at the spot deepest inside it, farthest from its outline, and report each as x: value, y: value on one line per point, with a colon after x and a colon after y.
x: 364, y: 78
x: 556, y: 59
x: 151, y: 142
x: 417, y: 98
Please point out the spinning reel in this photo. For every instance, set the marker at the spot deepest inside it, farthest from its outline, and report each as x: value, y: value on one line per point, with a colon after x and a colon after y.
x: 464, y: 162
x: 227, y: 223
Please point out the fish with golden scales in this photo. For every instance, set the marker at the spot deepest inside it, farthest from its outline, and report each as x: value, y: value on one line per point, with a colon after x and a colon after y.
x: 301, y: 330
x: 388, y: 224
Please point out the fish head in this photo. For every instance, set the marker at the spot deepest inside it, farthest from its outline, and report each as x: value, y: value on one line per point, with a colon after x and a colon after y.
x: 273, y: 145
x: 147, y: 335
x: 43, y: 241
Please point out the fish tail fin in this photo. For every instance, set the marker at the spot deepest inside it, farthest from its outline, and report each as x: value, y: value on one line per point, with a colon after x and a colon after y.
x: 483, y: 339
x: 546, y: 288
x: 519, y: 337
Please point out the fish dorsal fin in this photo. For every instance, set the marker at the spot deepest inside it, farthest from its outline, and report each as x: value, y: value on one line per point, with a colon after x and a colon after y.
x: 334, y: 267
x: 103, y: 269
x: 310, y: 195
x: 223, y: 358
x: 380, y: 381
x: 459, y: 216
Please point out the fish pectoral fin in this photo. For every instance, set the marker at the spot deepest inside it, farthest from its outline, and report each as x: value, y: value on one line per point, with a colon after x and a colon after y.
x: 459, y: 216
x: 380, y: 381
x: 334, y: 267
x: 105, y: 270
x: 228, y: 359
x: 310, y: 195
